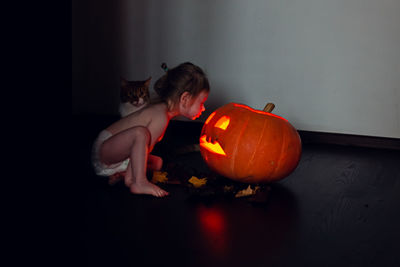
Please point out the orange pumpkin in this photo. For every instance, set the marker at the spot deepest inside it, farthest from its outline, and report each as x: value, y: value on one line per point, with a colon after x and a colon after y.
x: 249, y: 145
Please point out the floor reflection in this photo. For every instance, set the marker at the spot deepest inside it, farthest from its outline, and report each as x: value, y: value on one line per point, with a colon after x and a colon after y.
x: 234, y: 230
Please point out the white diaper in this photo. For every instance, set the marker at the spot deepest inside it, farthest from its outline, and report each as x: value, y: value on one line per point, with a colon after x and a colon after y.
x: 101, y: 168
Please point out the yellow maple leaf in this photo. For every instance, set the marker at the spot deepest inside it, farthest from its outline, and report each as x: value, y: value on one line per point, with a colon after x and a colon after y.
x: 247, y: 192
x: 196, y: 182
x: 159, y: 177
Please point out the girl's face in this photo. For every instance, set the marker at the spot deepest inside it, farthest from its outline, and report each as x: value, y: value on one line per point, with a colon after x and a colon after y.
x: 194, y: 106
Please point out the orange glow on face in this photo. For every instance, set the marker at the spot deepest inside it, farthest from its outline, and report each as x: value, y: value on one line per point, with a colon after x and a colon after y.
x: 213, y: 147
x: 259, y: 111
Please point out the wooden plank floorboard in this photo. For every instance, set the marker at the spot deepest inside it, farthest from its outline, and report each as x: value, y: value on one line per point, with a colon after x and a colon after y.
x: 351, y: 199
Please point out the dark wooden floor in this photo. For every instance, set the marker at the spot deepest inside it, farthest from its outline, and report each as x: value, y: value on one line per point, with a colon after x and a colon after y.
x: 340, y: 207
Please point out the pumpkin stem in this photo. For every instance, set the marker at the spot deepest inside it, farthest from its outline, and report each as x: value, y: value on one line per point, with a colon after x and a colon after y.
x: 269, y: 107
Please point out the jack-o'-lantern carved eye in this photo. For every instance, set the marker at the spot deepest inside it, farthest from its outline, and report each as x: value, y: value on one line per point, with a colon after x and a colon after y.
x: 223, y: 123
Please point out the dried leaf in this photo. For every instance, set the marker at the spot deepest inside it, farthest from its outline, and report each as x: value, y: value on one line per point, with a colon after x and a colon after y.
x: 196, y: 182
x: 247, y: 192
x: 228, y: 188
x: 261, y: 195
x: 159, y: 177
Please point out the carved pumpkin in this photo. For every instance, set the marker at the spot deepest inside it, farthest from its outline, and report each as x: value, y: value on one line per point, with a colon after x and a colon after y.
x: 249, y: 145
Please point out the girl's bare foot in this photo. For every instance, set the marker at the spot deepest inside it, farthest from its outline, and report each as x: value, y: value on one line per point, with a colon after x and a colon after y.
x: 148, y: 188
x: 143, y: 186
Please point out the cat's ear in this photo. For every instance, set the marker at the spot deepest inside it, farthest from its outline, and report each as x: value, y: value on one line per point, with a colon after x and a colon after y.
x: 123, y: 81
x: 147, y: 82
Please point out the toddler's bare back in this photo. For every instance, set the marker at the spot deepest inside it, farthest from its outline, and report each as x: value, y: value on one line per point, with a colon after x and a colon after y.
x: 153, y: 117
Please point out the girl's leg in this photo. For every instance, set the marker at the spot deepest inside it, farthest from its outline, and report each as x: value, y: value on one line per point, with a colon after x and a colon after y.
x: 154, y: 162
x: 132, y: 143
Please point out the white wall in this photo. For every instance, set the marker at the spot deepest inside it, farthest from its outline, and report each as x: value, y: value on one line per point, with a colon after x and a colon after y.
x: 328, y: 65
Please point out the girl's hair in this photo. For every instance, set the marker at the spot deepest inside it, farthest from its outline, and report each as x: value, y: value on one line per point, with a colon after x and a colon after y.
x: 186, y: 77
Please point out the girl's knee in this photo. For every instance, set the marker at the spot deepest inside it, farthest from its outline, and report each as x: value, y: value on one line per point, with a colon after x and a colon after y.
x: 141, y: 133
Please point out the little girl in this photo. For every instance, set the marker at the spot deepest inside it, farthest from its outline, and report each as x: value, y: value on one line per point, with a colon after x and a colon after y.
x: 125, y: 146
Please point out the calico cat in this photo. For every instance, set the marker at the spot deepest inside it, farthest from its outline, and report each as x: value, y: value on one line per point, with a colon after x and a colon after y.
x: 134, y: 95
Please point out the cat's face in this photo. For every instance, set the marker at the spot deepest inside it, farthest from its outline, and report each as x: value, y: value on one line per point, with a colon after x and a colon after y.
x: 135, y: 92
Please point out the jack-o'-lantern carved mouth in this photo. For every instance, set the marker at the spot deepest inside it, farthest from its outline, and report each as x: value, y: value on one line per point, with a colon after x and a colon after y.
x: 215, y: 146
x: 210, y: 146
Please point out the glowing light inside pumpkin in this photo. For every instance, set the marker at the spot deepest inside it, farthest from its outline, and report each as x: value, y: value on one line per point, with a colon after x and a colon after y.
x: 223, y: 123
x: 213, y: 147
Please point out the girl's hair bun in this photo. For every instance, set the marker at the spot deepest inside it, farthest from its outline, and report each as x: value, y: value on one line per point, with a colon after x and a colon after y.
x: 164, y: 66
